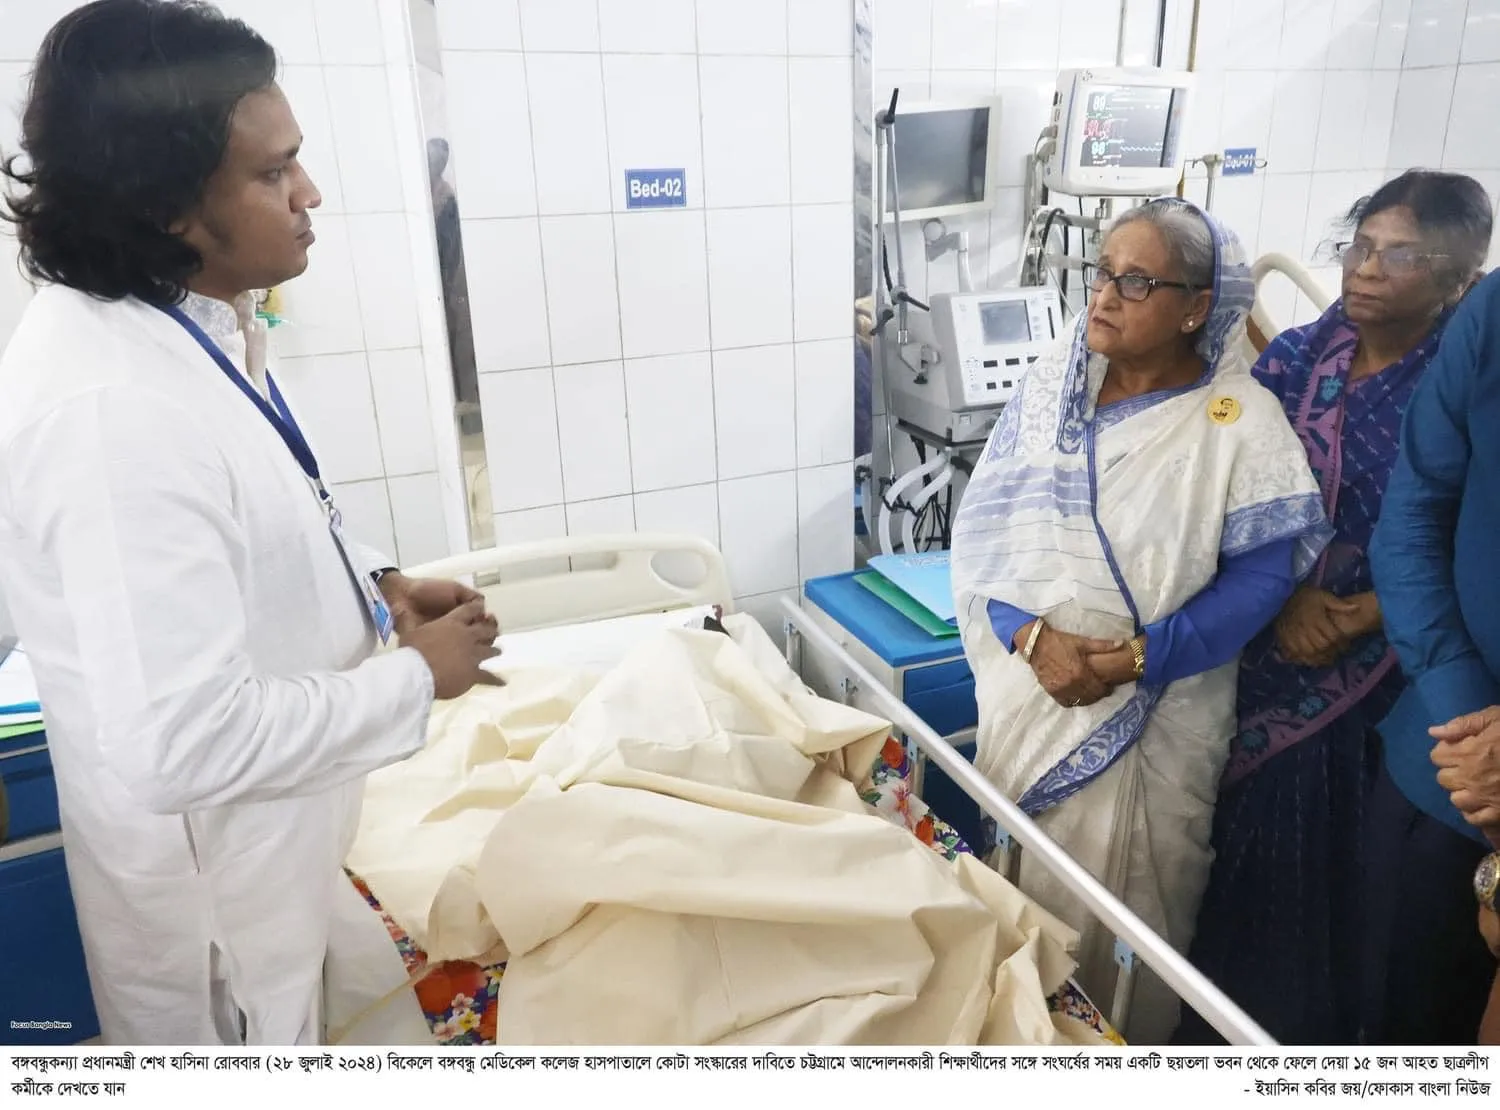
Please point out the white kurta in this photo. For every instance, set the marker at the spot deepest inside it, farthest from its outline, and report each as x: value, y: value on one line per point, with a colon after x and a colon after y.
x: 206, y: 665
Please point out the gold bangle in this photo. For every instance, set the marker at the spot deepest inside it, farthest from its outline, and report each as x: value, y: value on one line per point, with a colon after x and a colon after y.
x: 1138, y: 653
x: 1036, y: 632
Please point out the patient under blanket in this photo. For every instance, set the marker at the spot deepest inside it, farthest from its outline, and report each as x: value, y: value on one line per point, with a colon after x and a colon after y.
x: 675, y: 853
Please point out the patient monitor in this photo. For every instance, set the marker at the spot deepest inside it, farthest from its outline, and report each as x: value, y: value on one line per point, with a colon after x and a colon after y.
x: 985, y: 342
x: 1117, y: 132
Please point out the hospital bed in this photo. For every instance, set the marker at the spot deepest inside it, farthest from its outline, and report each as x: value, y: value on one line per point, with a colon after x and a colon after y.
x: 588, y: 597
x: 1260, y: 329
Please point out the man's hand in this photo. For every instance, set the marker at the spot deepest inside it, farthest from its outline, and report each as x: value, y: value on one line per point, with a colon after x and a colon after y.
x: 1314, y: 628
x: 1060, y: 662
x: 1467, y: 756
x: 454, y: 646
x: 416, y: 602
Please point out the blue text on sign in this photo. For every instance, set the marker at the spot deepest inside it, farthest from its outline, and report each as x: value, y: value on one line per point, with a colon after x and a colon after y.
x: 1239, y: 162
x: 655, y: 188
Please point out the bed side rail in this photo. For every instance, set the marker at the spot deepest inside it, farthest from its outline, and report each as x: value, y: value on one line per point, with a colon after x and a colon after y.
x: 1134, y: 941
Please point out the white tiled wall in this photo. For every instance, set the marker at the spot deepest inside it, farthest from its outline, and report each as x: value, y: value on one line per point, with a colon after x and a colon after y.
x: 1450, y: 82
x: 1311, y: 85
x: 358, y: 353
x: 679, y: 370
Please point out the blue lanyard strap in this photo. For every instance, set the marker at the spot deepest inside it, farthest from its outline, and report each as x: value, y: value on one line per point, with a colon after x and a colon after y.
x: 276, y: 410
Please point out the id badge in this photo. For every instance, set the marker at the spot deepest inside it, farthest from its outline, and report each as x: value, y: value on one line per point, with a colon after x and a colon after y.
x: 375, y: 603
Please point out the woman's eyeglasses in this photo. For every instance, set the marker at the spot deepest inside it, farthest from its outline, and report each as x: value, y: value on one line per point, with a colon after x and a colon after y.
x: 1399, y: 261
x: 1131, y: 287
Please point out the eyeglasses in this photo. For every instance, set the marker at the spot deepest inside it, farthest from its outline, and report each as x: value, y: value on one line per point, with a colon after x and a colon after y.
x: 1131, y: 287
x: 1398, y: 261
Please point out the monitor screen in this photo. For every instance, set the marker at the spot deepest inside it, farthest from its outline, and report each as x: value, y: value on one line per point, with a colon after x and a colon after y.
x: 1005, y: 322
x: 1126, y: 127
x: 940, y: 157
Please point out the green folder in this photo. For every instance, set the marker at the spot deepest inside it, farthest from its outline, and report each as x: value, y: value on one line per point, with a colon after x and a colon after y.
x: 902, y: 602
x: 10, y: 732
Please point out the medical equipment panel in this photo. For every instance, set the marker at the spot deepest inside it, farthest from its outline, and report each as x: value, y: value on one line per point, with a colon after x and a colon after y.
x: 990, y: 338
x: 949, y: 157
x: 1118, y: 132
x: 985, y: 342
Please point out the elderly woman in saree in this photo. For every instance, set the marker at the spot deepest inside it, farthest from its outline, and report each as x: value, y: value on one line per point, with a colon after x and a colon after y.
x: 1141, y: 509
x: 1284, y: 918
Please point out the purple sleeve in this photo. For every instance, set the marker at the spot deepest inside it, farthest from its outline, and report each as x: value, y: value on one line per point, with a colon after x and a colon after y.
x: 1211, y: 629
x: 1007, y: 620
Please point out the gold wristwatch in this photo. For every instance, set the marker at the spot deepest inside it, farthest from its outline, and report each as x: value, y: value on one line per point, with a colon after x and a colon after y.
x: 1487, y: 882
x: 1138, y: 653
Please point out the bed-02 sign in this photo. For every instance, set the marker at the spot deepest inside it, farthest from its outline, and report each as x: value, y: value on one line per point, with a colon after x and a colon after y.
x: 655, y: 188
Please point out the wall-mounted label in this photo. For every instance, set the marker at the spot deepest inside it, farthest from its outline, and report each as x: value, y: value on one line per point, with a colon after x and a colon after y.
x: 1239, y: 162
x: 655, y: 188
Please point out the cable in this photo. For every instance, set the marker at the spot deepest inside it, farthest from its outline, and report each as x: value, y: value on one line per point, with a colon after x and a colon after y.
x: 885, y: 265
x: 1047, y: 235
x: 1067, y: 250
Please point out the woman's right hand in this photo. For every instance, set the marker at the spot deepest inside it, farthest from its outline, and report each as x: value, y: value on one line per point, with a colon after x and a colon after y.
x: 1308, y: 630
x: 1060, y: 662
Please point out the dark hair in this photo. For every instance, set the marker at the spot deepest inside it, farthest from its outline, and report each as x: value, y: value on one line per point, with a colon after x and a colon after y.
x: 1450, y: 206
x: 127, y: 119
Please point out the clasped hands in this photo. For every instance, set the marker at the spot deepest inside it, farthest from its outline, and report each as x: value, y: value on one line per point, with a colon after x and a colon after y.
x: 1076, y: 670
x: 1315, y: 627
x: 447, y: 623
x: 1467, y: 755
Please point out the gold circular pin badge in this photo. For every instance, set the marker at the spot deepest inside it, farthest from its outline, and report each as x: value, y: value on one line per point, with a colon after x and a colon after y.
x: 1224, y: 410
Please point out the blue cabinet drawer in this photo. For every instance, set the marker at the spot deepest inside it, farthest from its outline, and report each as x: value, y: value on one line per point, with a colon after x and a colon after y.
x: 43, y: 977
x: 30, y: 788
x: 943, y: 696
x: 946, y: 709
x: 951, y: 672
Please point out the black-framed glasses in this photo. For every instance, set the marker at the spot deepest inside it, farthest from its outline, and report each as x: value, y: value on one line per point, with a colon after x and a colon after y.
x: 1400, y: 260
x: 1131, y: 287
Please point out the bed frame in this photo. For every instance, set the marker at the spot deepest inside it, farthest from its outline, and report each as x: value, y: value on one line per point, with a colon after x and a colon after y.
x: 527, y: 588
x: 1260, y: 328
x: 625, y: 576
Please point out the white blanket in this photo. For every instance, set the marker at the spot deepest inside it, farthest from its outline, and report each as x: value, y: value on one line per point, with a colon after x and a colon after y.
x: 675, y: 854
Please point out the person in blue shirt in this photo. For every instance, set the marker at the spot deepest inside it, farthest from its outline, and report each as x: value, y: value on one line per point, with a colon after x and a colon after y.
x: 1434, y: 558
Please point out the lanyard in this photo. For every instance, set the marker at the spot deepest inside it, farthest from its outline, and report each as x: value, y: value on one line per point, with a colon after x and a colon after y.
x: 276, y: 411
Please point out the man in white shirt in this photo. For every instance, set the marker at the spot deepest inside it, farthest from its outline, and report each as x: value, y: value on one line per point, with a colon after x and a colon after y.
x: 203, y: 637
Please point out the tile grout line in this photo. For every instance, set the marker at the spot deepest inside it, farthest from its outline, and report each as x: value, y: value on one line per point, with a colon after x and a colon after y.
x: 614, y: 238
x: 713, y: 391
